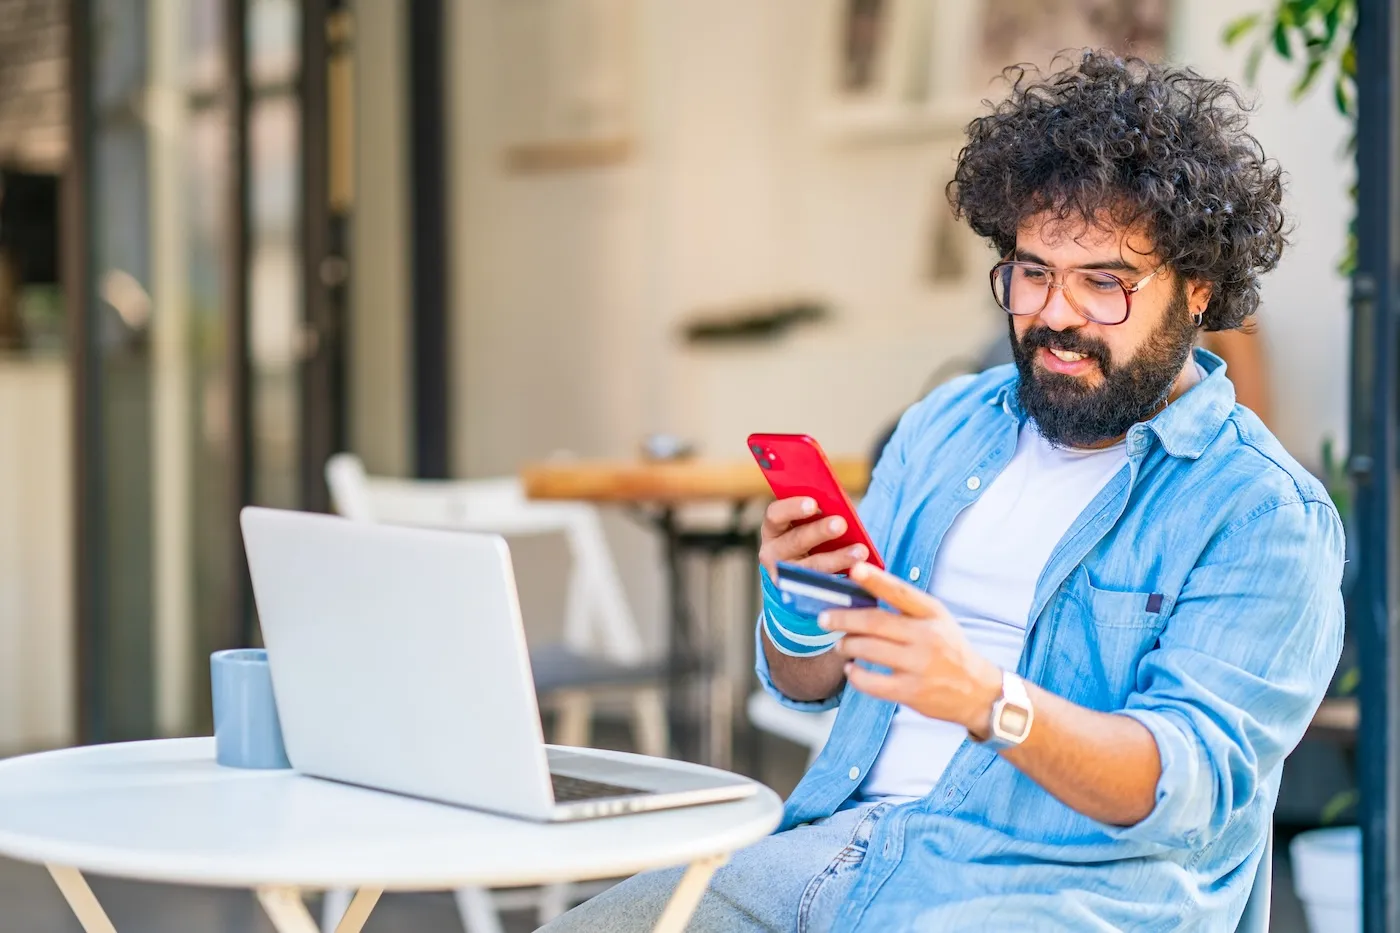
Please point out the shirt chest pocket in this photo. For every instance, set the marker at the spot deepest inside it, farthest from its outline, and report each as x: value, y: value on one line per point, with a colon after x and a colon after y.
x: 1118, y: 609
x: 1100, y: 638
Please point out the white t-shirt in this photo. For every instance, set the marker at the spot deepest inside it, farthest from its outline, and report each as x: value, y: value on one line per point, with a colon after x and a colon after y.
x: 985, y: 572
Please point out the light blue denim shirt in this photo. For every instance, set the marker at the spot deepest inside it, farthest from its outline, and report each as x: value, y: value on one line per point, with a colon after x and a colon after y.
x: 1239, y: 552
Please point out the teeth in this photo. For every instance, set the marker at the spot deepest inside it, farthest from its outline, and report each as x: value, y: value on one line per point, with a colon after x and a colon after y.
x: 1068, y: 356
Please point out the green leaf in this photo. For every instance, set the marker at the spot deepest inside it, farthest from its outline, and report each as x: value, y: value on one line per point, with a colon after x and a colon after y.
x: 1309, y: 76
x: 1281, y: 44
x: 1346, y: 266
x: 1237, y: 29
x: 1349, y: 60
x: 1331, y: 20
x: 1342, y: 96
x: 1340, y: 804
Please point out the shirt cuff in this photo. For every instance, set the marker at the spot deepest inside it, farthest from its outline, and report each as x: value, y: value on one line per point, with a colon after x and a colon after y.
x: 1183, y: 803
x: 761, y: 661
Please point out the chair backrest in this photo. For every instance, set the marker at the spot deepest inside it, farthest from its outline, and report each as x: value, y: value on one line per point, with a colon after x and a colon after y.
x: 1255, y: 918
x: 598, y: 619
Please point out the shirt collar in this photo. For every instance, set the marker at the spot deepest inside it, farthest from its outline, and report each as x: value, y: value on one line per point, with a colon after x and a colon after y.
x: 1186, y: 426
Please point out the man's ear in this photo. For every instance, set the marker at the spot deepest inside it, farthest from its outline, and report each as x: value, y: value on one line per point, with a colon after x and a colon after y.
x: 1198, y: 294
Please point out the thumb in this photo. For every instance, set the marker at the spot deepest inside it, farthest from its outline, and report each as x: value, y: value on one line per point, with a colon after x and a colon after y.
x: 909, y: 600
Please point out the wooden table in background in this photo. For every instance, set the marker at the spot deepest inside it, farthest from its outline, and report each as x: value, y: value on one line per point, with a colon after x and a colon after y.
x: 672, y: 482
x: 656, y: 490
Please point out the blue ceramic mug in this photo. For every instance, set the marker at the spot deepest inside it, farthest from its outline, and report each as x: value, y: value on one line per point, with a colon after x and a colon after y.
x: 247, y: 733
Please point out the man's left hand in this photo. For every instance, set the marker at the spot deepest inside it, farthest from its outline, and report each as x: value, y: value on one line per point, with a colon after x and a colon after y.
x: 933, y: 669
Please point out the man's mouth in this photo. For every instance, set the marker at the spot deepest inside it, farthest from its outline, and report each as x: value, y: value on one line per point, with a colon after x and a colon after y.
x: 1067, y: 362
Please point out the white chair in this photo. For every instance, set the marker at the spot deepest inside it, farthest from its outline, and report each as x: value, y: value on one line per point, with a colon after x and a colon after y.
x: 601, y: 652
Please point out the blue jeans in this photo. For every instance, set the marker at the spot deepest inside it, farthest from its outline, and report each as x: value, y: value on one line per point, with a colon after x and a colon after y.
x: 790, y: 881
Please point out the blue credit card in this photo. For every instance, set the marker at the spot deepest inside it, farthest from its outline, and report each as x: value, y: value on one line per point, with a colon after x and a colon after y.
x: 811, y: 592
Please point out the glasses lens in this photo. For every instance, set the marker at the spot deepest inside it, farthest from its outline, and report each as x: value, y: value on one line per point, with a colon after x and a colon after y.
x: 1098, y: 296
x: 1020, y: 288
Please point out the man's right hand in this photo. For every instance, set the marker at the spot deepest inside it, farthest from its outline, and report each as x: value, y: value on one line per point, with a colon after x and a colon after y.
x: 783, y: 539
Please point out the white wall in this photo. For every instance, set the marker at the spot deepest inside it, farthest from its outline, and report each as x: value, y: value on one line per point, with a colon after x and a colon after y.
x: 570, y: 287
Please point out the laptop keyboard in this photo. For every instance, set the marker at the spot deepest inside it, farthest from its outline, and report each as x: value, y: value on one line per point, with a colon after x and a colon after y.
x: 570, y: 789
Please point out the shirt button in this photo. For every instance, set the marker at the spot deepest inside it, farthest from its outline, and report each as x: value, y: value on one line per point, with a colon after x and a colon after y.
x: 853, y: 773
x: 914, y: 574
x: 974, y: 483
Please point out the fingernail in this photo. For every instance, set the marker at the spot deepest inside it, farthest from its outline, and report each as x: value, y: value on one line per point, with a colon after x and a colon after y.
x: 824, y: 620
x: 834, y: 524
x: 858, y: 552
x: 808, y: 507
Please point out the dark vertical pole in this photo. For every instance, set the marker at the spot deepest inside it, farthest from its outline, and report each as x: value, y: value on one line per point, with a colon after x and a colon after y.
x: 1373, y: 459
x: 239, y: 629
x: 77, y: 296
x: 318, y: 404
x: 427, y: 181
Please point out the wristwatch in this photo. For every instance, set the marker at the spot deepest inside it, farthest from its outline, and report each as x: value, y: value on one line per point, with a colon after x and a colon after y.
x: 1012, y: 714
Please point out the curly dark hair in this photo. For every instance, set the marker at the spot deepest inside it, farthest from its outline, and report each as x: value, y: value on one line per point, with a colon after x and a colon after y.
x: 1122, y: 141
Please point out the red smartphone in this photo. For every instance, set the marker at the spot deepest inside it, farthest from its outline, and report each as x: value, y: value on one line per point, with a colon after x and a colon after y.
x: 795, y: 465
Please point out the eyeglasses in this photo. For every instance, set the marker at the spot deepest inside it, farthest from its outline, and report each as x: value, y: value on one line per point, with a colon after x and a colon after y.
x: 1023, y: 288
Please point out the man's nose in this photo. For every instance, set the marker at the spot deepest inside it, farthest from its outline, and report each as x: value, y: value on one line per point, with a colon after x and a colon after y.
x: 1058, y: 314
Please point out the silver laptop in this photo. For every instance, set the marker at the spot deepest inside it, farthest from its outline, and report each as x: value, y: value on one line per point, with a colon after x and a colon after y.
x: 399, y: 663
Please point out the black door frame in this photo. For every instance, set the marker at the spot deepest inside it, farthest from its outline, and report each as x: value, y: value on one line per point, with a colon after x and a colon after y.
x: 77, y: 274
x: 321, y: 335
x: 1375, y: 413
x: 430, y: 353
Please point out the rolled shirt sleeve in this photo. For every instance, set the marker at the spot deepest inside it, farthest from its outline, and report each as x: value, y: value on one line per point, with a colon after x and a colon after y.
x: 1241, y: 667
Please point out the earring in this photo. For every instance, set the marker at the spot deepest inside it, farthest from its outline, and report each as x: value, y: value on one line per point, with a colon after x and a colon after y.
x: 1198, y: 318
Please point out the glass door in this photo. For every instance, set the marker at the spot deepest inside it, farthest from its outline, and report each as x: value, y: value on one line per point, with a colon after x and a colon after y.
x: 207, y: 346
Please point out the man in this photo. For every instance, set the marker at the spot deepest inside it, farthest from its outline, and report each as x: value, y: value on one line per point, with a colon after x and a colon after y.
x: 1113, y: 598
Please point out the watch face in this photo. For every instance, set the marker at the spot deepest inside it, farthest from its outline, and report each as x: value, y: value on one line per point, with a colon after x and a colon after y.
x: 1013, y: 720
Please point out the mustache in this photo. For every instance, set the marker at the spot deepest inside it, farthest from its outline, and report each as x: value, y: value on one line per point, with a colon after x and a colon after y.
x: 1071, y: 341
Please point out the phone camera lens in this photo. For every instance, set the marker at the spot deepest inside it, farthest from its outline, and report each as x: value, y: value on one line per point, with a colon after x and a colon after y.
x: 758, y: 451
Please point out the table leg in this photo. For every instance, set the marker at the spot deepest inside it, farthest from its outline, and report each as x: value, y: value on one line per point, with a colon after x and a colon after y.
x: 288, y: 913
x: 286, y: 910
x: 80, y: 898
x: 359, y: 910
x: 681, y: 654
x: 687, y: 895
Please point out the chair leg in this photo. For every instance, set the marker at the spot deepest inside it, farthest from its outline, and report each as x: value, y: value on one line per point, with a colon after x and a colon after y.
x: 478, y: 911
x: 721, y: 744
x: 650, y: 733
x: 554, y: 900
x: 575, y: 718
x: 333, y: 906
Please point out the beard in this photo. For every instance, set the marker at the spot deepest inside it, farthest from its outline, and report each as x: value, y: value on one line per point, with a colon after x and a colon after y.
x: 1070, y: 413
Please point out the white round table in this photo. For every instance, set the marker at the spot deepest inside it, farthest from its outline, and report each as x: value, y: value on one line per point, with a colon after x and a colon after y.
x: 164, y: 811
